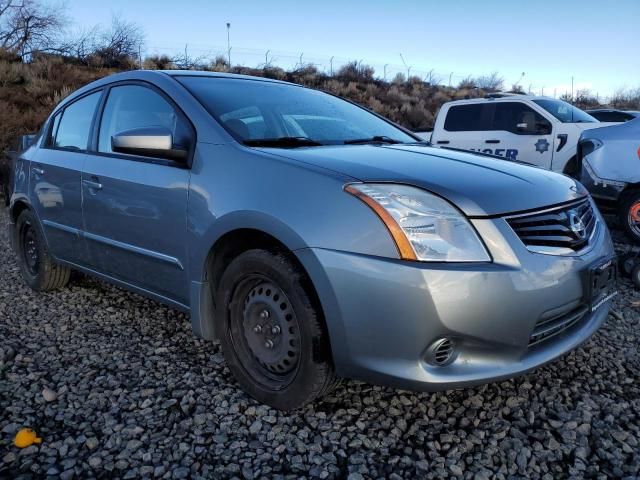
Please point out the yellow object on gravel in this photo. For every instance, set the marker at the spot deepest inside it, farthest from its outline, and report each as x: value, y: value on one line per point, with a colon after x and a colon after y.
x: 25, y: 438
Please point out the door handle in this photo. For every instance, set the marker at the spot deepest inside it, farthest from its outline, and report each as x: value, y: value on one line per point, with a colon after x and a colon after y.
x: 492, y: 141
x: 92, y: 185
x: 442, y: 142
x: 37, y: 171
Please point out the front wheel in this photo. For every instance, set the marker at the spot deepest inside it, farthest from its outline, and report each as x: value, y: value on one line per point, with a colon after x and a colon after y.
x: 274, y: 339
x: 36, y: 265
x: 629, y: 215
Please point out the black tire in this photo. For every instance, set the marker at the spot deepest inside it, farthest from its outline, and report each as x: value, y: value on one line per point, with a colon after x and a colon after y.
x: 36, y: 265
x: 296, y: 368
x: 628, y: 215
x: 571, y: 168
x: 635, y: 276
x: 627, y: 261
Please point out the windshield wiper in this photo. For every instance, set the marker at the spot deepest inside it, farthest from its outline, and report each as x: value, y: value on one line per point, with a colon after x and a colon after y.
x: 374, y: 139
x: 285, y: 142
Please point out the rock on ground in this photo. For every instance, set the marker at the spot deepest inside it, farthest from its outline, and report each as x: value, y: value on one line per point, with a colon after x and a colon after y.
x: 130, y: 392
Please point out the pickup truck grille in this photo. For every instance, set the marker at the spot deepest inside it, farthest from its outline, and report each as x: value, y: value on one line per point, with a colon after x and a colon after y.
x: 548, y: 327
x: 556, y: 230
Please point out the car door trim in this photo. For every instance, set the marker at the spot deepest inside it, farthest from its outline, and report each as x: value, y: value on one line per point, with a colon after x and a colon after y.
x: 132, y: 248
x: 115, y: 243
x: 64, y: 228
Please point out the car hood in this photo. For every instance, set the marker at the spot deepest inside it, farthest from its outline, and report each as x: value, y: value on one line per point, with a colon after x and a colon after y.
x: 478, y: 185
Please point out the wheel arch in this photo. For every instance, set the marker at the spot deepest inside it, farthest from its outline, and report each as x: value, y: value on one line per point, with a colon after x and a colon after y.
x: 262, y: 233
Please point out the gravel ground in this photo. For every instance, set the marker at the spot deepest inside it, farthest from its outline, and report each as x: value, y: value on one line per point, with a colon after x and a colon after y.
x: 118, y: 386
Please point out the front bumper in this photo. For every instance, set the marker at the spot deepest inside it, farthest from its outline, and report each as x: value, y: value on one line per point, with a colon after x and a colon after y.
x: 383, y: 314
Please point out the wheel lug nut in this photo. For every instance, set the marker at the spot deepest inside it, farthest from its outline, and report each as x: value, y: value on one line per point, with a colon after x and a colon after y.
x: 268, y: 344
x: 257, y: 328
x: 275, y: 330
x: 264, y: 314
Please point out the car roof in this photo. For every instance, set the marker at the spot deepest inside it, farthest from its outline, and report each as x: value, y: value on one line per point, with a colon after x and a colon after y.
x: 500, y: 98
x: 202, y: 73
x: 596, y: 110
x: 150, y: 75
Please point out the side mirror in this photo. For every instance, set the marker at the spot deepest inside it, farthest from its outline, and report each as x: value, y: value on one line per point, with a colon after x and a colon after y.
x: 149, y: 142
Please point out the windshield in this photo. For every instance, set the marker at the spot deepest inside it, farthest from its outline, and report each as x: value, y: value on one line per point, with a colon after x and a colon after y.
x: 565, y: 112
x: 253, y: 110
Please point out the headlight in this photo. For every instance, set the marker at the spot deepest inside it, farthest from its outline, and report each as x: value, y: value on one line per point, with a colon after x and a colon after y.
x: 424, y: 226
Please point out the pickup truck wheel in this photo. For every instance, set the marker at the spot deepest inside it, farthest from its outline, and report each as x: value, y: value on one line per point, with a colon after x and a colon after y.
x: 36, y: 265
x: 274, y: 340
x: 629, y: 215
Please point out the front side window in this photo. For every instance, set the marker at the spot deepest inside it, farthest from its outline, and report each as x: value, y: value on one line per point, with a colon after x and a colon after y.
x: 564, y: 111
x: 518, y: 118
x: 133, y: 106
x: 255, y: 110
x: 72, y: 132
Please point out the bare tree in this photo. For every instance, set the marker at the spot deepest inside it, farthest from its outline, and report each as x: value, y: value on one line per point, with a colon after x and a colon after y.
x: 119, y: 46
x: 27, y: 27
x: 492, y: 82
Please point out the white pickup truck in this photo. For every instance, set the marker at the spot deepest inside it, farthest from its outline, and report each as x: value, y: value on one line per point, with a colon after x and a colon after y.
x: 541, y: 131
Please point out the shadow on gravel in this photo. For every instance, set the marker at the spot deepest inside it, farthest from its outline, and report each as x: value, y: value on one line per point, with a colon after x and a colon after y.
x: 118, y: 386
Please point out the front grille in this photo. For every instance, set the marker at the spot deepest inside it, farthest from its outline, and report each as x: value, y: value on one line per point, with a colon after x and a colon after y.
x: 549, y: 326
x: 567, y: 227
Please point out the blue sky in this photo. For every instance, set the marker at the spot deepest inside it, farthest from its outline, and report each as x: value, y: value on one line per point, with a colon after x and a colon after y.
x: 595, y: 42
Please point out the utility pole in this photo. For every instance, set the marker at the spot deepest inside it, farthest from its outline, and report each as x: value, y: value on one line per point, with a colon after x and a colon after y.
x: 301, y: 60
x: 405, y: 66
x: 266, y: 58
x: 229, y: 43
x: 331, y: 66
x: 140, y: 57
x: 572, y: 89
x: 385, y: 71
x: 450, y: 75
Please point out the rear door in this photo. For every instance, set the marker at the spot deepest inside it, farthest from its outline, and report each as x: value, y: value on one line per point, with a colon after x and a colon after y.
x: 134, y: 206
x: 55, y: 178
x: 463, y: 127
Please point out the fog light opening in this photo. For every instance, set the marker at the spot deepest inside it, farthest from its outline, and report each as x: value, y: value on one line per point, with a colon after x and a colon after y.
x: 441, y: 352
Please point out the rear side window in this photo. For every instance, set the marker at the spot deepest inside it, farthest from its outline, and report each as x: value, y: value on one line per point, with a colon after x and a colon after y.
x: 71, y: 131
x: 467, y: 118
x: 134, y: 106
x: 612, y: 116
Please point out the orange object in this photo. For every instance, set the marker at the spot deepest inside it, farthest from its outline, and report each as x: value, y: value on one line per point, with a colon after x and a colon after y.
x: 25, y: 438
x: 402, y: 242
x: 634, y: 211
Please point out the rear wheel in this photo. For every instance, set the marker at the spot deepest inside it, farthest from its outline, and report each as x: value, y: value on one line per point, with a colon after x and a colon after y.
x: 273, y: 338
x: 635, y: 276
x: 629, y: 215
x: 36, y: 265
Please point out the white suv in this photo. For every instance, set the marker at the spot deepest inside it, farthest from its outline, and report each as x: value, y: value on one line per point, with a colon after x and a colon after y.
x: 541, y: 131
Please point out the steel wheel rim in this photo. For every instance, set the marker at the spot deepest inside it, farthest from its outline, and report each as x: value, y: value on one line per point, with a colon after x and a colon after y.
x: 30, y: 252
x: 265, y: 333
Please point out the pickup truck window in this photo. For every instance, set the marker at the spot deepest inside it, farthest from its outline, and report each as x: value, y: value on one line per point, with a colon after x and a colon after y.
x: 519, y: 118
x: 564, y: 111
x: 277, y: 110
x: 468, y: 118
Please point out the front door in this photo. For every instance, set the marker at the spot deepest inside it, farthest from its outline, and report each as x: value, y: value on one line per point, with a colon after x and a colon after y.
x: 55, y: 179
x: 520, y: 133
x: 135, y: 207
